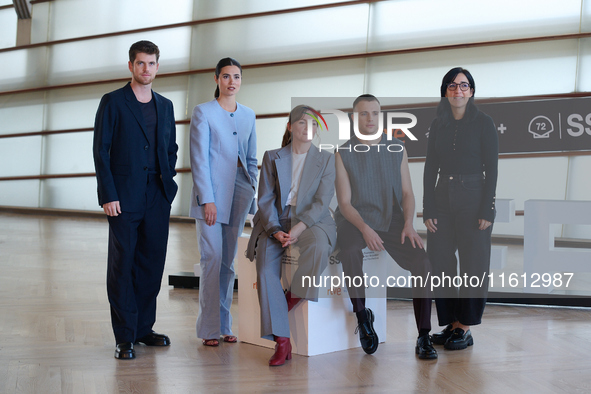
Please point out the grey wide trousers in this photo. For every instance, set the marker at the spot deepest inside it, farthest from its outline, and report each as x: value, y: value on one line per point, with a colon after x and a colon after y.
x: 314, y: 250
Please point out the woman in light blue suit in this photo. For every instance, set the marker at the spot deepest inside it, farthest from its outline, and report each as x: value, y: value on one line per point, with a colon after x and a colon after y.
x: 295, y: 190
x: 224, y: 169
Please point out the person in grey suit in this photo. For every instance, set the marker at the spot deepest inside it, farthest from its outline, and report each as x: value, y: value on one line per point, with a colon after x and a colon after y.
x: 295, y: 190
x: 224, y: 170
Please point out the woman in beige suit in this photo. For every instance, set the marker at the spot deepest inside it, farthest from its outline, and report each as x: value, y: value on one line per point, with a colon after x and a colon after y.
x: 295, y: 190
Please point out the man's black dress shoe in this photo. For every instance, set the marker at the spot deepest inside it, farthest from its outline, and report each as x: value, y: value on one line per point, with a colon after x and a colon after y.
x: 439, y: 338
x: 367, y: 335
x: 124, y: 351
x: 459, y: 339
x: 154, y: 339
x: 424, y: 348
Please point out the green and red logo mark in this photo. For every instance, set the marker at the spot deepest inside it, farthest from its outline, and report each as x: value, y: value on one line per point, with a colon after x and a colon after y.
x: 315, y: 115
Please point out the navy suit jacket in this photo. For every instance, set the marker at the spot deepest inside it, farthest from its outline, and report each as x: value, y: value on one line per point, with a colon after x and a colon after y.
x: 121, y: 148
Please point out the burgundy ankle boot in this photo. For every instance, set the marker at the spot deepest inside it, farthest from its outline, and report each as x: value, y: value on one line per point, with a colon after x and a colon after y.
x: 282, y: 351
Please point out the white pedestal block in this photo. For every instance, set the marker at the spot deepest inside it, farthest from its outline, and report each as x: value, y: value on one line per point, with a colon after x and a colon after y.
x: 498, y: 257
x: 316, y: 327
x: 505, y: 214
x: 540, y: 256
x: 505, y: 210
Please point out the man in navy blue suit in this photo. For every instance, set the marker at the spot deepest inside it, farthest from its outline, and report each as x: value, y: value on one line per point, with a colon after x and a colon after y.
x: 135, y: 154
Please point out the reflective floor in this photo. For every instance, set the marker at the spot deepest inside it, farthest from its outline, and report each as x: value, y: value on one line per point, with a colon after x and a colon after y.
x: 56, y: 335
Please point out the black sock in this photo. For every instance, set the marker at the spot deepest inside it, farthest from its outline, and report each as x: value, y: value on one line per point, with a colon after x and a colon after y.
x: 423, y: 331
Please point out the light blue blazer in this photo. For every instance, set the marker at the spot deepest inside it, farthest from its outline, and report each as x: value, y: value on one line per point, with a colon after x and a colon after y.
x: 218, y: 139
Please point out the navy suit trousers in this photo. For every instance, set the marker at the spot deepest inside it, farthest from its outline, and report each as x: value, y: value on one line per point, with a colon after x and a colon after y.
x: 137, y: 251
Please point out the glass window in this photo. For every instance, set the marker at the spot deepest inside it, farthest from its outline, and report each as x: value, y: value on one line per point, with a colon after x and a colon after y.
x: 269, y: 90
x: 183, y: 141
x: 540, y: 68
x: 584, y: 69
x: 21, y: 113
x: 27, y: 68
x: 586, y: 17
x: 108, y: 58
x: 205, y: 9
x: 8, y: 21
x: 20, y: 193
x: 69, y: 153
x: 269, y: 135
x: 70, y: 193
x: 309, y: 34
x: 21, y: 156
x: 425, y: 23
x: 74, y: 108
x: 579, y: 187
x: 70, y: 18
x: 550, y: 186
x: 182, y: 201
x: 174, y: 89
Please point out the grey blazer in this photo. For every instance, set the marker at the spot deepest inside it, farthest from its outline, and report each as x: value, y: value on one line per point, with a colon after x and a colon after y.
x: 315, y: 192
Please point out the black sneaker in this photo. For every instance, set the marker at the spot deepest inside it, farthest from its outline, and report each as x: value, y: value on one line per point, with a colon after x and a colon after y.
x: 425, y: 348
x: 367, y: 334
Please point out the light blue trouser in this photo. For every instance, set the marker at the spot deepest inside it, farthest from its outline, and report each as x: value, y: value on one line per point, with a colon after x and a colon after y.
x: 217, y: 246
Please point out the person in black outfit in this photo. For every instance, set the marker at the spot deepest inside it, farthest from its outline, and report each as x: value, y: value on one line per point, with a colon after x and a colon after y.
x: 463, y: 149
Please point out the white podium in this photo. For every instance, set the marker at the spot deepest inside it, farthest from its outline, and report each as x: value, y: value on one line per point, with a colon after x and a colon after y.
x: 316, y: 327
x: 505, y: 214
x: 540, y: 256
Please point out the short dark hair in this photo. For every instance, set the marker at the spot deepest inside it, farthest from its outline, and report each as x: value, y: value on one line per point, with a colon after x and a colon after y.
x: 143, y: 46
x: 365, y: 97
x: 227, y: 61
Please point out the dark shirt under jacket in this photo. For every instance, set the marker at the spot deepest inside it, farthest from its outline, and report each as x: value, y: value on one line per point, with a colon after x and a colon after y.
x: 466, y: 146
x: 151, y: 122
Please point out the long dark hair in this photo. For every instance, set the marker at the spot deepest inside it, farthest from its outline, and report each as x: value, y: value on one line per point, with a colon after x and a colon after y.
x: 444, y: 113
x: 296, y: 114
x: 227, y: 61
